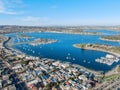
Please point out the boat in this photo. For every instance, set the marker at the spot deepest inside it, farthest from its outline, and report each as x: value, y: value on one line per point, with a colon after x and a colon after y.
x: 69, y: 54
x: 33, y: 51
x: 89, y: 62
x: 67, y: 57
x: 73, y: 58
x: 84, y: 61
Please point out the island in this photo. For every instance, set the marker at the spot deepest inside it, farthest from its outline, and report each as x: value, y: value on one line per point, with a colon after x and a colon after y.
x: 34, y: 42
x: 40, y: 41
x: 115, y: 38
x: 23, y: 36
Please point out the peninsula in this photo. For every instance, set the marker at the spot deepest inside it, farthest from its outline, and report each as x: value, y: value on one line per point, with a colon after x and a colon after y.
x: 100, y: 47
x: 115, y: 38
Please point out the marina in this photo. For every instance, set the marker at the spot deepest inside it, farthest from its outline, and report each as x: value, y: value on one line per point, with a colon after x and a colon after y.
x: 59, y: 45
x: 108, y: 59
x: 63, y: 49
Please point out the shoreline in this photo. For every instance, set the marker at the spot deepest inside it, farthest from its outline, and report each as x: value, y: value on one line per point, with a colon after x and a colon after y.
x: 76, y: 33
x: 109, y: 72
x: 102, y: 50
x: 35, y: 42
x: 5, y: 43
x: 97, y: 73
x: 112, y: 71
x: 9, y: 48
x: 63, y: 32
x: 109, y: 40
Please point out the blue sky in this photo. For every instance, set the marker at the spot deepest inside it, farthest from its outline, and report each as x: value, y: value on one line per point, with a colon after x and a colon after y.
x: 59, y: 12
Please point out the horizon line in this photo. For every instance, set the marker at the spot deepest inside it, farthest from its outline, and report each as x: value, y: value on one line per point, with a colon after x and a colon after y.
x: 57, y: 25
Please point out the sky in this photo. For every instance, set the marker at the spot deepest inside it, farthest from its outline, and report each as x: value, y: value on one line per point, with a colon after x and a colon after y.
x: 59, y: 12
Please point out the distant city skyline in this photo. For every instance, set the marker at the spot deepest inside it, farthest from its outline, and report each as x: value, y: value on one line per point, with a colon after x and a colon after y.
x: 59, y: 12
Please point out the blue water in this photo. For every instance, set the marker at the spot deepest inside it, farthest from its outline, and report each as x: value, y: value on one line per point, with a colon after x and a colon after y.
x: 106, y: 32
x: 60, y: 49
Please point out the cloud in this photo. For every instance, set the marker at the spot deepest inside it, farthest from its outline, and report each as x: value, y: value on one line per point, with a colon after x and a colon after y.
x: 30, y: 19
x: 8, y: 6
x: 35, y: 21
x: 8, y: 12
x: 2, y: 8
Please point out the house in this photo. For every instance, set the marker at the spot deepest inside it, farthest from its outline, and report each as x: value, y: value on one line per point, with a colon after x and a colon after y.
x: 65, y: 65
x: 57, y: 63
x: 83, y: 77
x: 11, y: 87
x: 17, y: 66
x: 34, y: 81
x: 0, y: 84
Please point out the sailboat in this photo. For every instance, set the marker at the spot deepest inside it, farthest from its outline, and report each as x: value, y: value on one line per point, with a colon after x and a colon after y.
x: 73, y: 58
x: 84, y: 61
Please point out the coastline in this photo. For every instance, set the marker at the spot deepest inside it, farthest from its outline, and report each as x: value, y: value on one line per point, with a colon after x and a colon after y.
x: 5, y: 43
x: 113, y: 70
x: 97, y: 73
x: 89, y: 48
x: 79, y: 33
x: 109, y: 40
